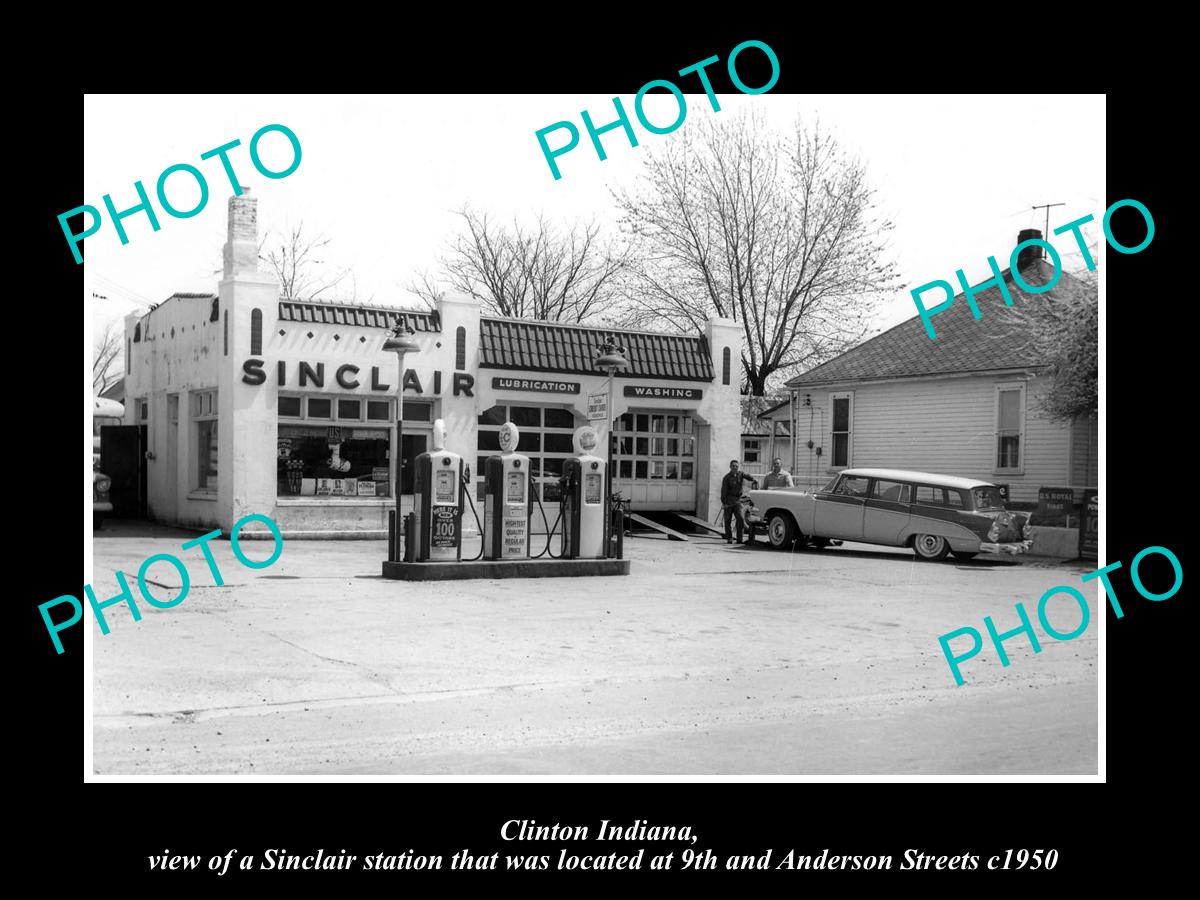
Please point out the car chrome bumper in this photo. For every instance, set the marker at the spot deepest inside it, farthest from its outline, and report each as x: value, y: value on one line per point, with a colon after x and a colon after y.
x: 101, y: 506
x: 1012, y: 548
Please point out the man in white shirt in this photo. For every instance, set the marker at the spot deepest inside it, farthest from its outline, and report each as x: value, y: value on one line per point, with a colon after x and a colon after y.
x: 777, y: 478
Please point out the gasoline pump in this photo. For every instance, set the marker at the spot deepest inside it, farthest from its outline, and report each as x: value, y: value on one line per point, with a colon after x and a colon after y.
x: 584, y: 505
x: 438, y: 501
x: 506, y: 508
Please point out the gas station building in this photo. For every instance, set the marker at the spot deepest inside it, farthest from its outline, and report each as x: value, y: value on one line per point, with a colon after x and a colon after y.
x: 253, y: 403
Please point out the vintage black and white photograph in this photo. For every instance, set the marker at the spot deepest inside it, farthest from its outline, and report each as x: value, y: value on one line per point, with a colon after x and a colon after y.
x: 692, y: 433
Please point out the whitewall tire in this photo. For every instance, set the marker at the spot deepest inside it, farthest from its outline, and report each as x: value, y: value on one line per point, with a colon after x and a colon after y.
x: 781, y: 531
x: 931, y: 547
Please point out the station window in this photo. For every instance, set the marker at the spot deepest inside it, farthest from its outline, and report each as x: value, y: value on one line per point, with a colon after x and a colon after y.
x: 338, y: 446
x: 546, y: 438
x: 654, y: 447
x: 204, y: 428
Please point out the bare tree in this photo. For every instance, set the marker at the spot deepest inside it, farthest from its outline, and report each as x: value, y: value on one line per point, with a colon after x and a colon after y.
x: 1062, y: 328
x: 105, y: 355
x: 535, y: 272
x: 294, y: 258
x: 782, y: 236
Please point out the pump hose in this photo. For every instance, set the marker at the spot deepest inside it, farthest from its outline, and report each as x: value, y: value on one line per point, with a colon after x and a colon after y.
x: 549, y: 528
x: 478, y: 524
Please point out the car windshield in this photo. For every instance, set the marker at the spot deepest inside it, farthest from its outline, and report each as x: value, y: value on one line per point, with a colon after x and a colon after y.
x: 988, y: 498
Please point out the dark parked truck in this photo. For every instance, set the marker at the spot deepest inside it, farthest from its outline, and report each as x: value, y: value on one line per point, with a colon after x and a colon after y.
x: 104, y: 411
x: 935, y: 515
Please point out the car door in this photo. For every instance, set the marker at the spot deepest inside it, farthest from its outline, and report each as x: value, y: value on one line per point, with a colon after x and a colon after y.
x: 838, y: 513
x: 887, y: 511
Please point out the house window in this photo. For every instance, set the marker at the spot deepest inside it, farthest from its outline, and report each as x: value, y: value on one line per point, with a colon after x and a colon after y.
x: 725, y: 366
x: 751, y: 448
x: 460, y: 348
x: 840, y: 439
x: 1010, y: 428
x: 204, y: 418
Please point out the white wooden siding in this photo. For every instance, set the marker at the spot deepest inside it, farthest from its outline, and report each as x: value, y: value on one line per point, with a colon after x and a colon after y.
x: 946, y: 426
x: 1085, y: 471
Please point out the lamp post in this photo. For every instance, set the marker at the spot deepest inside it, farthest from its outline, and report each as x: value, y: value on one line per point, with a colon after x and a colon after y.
x: 610, y: 359
x: 400, y: 340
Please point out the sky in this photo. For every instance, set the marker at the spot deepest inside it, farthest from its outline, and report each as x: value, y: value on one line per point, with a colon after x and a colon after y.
x: 380, y: 175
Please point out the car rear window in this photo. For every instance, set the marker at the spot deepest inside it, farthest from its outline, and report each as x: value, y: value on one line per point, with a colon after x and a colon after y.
x: 940, y: 496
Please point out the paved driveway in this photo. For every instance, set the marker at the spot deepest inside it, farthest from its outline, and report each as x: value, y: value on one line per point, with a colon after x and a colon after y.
x: 707, y: 659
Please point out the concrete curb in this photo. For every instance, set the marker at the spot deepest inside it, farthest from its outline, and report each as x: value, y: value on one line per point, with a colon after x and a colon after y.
x: 524, y: 568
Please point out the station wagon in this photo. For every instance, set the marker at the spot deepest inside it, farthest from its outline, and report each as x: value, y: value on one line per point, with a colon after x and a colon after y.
x: 935, y: 515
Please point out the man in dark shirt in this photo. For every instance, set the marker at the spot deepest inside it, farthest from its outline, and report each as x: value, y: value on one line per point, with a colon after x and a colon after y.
x: 732, y: 492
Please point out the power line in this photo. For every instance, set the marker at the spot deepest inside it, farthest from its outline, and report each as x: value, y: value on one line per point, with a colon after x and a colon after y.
x: 141, y: 300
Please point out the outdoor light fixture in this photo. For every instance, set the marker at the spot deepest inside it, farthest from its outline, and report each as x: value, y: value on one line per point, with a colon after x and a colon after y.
x: 610, y: 359
x: 400, y: 340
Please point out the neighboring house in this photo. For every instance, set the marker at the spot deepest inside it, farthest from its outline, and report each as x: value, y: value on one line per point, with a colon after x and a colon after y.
x: 763, y: 437
x: 964, y: 404
x: 115, y: 391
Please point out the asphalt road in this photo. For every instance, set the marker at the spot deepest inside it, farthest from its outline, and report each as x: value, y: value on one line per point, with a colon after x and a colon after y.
x: 707, y: 660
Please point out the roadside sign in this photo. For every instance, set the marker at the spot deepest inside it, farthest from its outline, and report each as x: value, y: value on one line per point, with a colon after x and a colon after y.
x: 1089, y: 526
x: 597, y: 407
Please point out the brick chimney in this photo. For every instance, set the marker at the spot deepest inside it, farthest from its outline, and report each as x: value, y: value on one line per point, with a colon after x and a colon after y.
x: 1029, y: 254
x: 241, y: 245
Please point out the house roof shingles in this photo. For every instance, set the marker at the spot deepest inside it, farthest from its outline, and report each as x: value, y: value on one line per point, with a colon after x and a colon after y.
x: 995, y: 342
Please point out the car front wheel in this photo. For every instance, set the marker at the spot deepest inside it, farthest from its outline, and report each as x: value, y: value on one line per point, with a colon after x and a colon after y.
x: 932, y: 547
x: 97, y: 521
x: 781, y: 531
